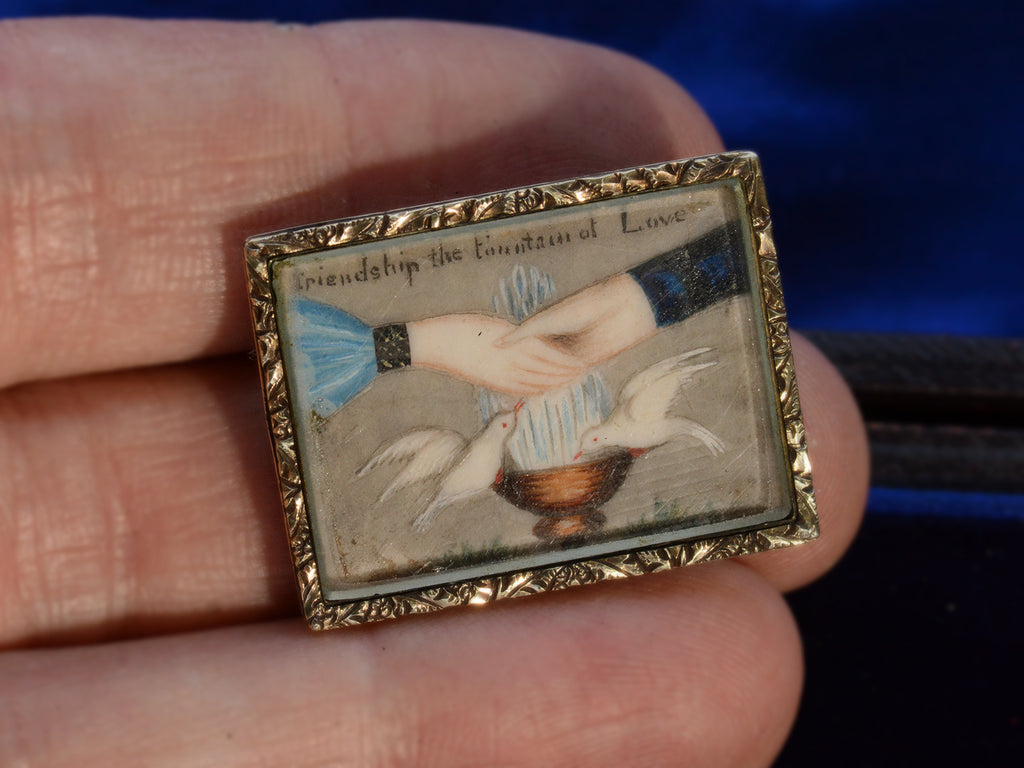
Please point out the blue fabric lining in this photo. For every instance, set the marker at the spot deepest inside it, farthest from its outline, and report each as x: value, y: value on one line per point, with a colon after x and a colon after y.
x: 903, y: 501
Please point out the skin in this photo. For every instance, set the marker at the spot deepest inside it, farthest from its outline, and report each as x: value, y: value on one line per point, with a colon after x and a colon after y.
x: 593, y: 325
x: 554, y: 347
x: 472, y: 347
x: 147, y: 607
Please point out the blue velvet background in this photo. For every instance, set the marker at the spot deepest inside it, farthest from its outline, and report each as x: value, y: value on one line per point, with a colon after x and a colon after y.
x: 890, y: 136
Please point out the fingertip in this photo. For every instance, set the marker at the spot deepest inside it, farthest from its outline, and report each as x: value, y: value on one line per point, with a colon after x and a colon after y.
x: 838, y: 450
x: 699, y: 667
x: 509, y: 338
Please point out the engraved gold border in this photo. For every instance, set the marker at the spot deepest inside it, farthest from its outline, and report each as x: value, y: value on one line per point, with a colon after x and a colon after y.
x: 262, y: 251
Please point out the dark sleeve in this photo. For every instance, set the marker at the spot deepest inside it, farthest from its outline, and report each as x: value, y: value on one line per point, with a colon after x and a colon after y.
x: 692, y: 277
x: 391, y: 346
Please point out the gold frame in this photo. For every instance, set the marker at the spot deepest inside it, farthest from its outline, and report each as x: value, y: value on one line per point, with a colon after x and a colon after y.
x: 262, y: 251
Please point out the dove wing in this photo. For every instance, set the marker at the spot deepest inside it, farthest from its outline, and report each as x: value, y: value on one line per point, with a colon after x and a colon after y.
x: 643, y: 379
x: 651, y: 393
x: 653, y: 401
x: 428, y: 451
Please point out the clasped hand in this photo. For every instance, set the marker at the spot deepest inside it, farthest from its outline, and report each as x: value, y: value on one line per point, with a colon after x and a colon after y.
x: 549, y: 350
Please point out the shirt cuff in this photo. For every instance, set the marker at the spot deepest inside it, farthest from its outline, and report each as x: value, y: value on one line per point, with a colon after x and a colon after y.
x: 692, y: 277
x: 391, y: 345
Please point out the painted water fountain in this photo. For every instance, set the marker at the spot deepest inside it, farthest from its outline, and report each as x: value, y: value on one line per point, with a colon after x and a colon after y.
x: 539, y: 473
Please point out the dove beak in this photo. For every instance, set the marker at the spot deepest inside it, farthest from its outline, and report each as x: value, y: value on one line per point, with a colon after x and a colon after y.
x: 576, y: 457
x: 518, y: 406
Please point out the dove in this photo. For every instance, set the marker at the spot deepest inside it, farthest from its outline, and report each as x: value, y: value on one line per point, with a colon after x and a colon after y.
x: 641, y: 419
x: 468, y: 467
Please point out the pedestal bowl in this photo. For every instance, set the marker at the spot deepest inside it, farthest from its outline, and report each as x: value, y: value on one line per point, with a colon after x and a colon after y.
x: 566, y: 498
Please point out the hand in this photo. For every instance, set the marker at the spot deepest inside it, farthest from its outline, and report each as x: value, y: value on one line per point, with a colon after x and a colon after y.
x: 147, y: 602
x: 467, y: 346
x: 593, y: 325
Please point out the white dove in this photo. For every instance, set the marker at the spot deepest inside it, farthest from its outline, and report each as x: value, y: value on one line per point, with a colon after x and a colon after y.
x: 469, y: 466
x: 641, y: 418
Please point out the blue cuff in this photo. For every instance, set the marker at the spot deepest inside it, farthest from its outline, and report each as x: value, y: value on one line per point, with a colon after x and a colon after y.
x: 692, y: 277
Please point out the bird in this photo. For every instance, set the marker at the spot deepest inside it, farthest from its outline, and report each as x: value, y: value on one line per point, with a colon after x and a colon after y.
x: 641, y: 420
x: 468, y: 467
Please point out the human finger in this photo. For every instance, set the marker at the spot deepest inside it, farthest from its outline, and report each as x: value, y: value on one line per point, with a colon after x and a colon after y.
x: 138, y: 502
x: 838, y: 450
x: 545, y: 324
x: 541, y: 380
x: 702, y: 669
x: 126, y: 193
x: 551, y: 358
x: 546, y: 373
x: 523, y: 383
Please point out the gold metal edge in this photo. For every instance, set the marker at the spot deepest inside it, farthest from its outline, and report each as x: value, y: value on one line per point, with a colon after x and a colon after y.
x: 261, y: 251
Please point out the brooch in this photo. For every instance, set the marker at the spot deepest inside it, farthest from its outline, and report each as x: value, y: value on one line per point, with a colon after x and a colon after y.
x: 527, y: 390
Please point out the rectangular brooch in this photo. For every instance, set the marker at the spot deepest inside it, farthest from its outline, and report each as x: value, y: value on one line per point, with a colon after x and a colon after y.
x: 532, y: 389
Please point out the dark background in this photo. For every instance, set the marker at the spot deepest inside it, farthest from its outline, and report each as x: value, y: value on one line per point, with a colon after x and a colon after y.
x: 890, y: 137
